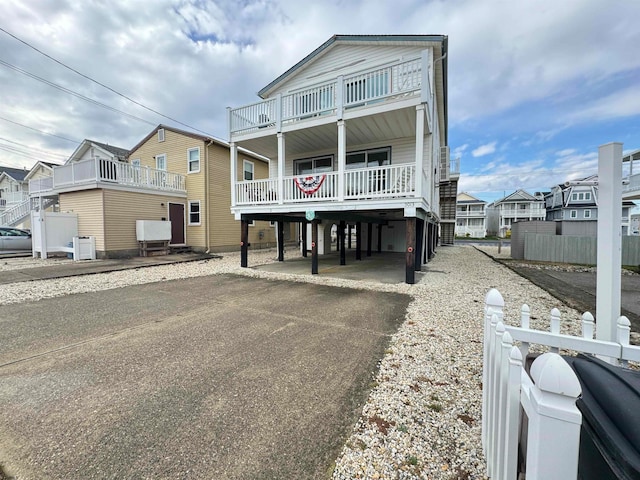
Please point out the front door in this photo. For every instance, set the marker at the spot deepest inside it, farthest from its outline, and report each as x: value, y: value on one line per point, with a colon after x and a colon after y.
x: 176, y: 217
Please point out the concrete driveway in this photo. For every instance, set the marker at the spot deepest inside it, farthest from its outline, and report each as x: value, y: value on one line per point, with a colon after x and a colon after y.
x: 213, y: 377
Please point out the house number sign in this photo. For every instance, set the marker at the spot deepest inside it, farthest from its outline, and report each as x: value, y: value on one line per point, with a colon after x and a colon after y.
x: 310, y: 215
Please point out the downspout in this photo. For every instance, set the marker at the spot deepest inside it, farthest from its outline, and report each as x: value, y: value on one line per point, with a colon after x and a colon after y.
x: 206, y: 196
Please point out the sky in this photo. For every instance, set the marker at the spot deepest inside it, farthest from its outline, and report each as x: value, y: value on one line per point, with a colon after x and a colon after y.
x: 535, y: 86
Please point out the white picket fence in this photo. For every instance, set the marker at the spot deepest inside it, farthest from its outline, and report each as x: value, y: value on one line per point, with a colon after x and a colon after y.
x: 546, y: 396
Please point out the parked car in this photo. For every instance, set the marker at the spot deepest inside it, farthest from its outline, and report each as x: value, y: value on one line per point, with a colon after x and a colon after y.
x: 14, y: 239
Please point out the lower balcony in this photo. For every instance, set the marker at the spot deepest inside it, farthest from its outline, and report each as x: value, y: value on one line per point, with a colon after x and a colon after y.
x: 94, y: 173
x: 387, y: 182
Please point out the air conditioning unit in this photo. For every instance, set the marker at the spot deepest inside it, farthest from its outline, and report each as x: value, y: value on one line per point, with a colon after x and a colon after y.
x: 444, y: 164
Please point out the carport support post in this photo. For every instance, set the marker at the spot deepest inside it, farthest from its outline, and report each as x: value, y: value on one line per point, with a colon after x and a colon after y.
x: 429, y: 240
x: 418, y: 251
x: 369, y: 235
x: 358, y: 241
x: 280, y: 226
x: 303, y: 227
x: 343, y: 255
x: 608, y: 278
x: 411, y: 251
x: 314, y: 247
x: 244, y: 242
x: 379, y: 237
x: 349, y: 236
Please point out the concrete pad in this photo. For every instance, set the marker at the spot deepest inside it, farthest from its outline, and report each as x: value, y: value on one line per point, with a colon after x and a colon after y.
x: 379, y: 267
x: 211, y: 377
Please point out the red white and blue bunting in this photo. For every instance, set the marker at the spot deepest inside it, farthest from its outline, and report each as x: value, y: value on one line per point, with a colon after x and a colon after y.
x: 311, y: 184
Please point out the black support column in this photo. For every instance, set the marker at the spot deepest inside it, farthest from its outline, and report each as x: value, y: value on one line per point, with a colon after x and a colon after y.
x: 419, y: 241
x: 369, y: 238
x: 343, y: 256
x: 358, y: 241
x: 314, y: 247
x: 410, y: 277
x: 303, y: 226
x: 280, y: 232
x: 244, y: 242
x: 379, y: 238
x: 349, y: 236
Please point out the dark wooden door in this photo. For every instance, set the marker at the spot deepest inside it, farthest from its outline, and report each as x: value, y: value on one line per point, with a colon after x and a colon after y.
x: 176, y: 217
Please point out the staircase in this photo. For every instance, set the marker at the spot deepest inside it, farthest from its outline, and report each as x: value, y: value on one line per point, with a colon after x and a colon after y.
x: 448, y: 195
x: 17, y: 213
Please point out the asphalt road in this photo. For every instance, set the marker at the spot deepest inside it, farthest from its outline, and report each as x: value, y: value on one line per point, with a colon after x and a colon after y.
x: 218, y: 377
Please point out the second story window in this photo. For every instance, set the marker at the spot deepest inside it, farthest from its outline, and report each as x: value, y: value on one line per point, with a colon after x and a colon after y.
x: 161, y: 162
x: 573, y: 214
x: 369, y: 158
x: 193, y: 160
x: 161, y: 135
x: 313, y: 165
x: 587, y: 214
x: 247, y: 169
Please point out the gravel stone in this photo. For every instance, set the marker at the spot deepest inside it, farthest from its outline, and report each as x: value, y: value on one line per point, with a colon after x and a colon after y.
x: 422, y: 419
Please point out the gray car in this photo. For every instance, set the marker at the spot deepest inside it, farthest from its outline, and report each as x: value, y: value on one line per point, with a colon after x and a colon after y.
x: 14, y: 239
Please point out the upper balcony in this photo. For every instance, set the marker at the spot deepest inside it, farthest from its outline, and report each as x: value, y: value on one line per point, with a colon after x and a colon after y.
x: 359, y: 94
x: 472, y: 213
x: 100, y: 173
x: 10, y: 199
x: 631, y: 187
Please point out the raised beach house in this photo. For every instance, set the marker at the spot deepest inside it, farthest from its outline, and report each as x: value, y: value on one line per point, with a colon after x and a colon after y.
x: 356, y: 135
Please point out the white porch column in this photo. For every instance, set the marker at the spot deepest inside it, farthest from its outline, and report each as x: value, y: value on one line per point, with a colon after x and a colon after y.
x: 342, y: 158
x: 281, y: 159
x: 420, y: 112
x: 233, y: 149
x: 609, y: 240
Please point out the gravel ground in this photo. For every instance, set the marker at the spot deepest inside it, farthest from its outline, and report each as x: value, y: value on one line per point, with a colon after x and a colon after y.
x: 422, y: 418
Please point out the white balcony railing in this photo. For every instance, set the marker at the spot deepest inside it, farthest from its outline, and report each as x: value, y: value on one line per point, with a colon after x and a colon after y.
x: 632, y: 187
x: 110, y: 172
x: 373, y: 85
x: 392, y: 181
x: 522, y: 212
x: 13, y: 198
x: 470, y: 213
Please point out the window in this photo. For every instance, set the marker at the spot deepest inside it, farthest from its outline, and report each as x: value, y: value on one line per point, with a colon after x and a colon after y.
x: 309, y: 166
x: 194, y: 212
x: 587, y: 214
x: 573, y: 214
x: 135, y: 162
x: 369, y: 158
x: 161, y: 161
x: 193, y: 160
x: 587, y: 195
x: 161, y: 135
x: 247, y: 170
x: 272, y: 223
x: 574, y: 196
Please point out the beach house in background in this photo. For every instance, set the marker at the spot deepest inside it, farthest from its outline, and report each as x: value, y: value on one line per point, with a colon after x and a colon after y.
x: 471, y: 216
x: 516, y: 207
x: 356, y: 133
x: 573, y: 205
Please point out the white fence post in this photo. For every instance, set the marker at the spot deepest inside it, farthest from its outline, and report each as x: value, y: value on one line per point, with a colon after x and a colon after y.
x: 555, y: 326
x: 588, y: 324
x: 493, y: 304
x: 554, y: 420
x: 525, y: 315
x: 624, y: 334
x: 512, y: 415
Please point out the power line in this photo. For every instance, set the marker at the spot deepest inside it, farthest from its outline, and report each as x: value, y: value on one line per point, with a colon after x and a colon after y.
x: 71, y: 92
x: 40, y: 131
x: 8, y: 149
x: 101, y: 84
x: 45, y: 152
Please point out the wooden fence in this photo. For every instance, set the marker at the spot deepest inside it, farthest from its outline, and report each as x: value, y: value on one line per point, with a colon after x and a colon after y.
x: 545, y: 396
x: 573, y: 249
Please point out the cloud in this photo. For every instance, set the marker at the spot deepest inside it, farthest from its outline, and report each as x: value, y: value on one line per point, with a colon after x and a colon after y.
x: 483, y: 150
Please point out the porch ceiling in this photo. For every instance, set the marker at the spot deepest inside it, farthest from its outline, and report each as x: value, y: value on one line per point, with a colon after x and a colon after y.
x: 320, y: 134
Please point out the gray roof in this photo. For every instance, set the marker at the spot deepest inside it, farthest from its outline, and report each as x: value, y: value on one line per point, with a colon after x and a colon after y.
x: 17, y: 174
x: 117, y: 151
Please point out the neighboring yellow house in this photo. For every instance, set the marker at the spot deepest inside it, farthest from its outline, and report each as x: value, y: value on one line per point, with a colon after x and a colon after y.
x: 203, y: 219
x: 171, y: 175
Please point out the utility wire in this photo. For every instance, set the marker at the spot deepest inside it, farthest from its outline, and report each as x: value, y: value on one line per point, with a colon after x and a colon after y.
x: 102, y: 84
x: 71, y: 92
x: 40, y: 131
x: 19, y: 153
x: 45, y: 152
